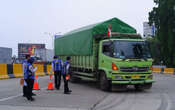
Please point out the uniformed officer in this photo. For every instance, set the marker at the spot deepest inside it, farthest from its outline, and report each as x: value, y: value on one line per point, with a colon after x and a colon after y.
x: 66, y: 72
x: 29, y: 77
x: 24, y: 67
x: 57, y: 67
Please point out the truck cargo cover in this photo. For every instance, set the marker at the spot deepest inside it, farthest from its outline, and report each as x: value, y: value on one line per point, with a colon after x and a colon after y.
x: 80, y: 41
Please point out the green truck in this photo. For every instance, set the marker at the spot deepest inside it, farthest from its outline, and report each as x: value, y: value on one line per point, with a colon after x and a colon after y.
x: 119, y: 60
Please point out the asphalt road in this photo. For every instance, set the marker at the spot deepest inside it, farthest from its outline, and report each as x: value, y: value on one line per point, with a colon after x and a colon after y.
x: 86, y: 96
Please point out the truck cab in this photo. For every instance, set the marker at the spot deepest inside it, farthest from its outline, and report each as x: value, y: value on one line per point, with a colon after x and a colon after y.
x: 124, y: 62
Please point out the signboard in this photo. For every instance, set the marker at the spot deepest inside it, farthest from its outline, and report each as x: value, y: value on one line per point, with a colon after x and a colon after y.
x: 24, y: 49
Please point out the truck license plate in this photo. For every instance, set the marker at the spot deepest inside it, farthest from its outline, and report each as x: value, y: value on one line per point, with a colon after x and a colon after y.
x: 135, y: 77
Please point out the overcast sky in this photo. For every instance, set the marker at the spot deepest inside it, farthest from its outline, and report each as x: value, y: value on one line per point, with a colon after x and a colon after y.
x: 31, y: 21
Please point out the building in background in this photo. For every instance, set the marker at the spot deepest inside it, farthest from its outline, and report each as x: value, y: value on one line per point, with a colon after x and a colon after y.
x: 5, y: 55
x: 148, y: 31
x: 45, y: 55
x: 27, y: 48
x: 57, y: 36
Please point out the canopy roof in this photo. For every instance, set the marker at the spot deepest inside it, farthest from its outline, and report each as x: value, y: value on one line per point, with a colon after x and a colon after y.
x: 79, y: 41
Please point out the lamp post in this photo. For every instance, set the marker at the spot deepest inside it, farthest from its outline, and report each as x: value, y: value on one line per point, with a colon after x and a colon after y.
x: 52, y: 35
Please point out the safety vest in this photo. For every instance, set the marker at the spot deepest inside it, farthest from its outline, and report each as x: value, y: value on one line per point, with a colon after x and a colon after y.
x: 24, y: 66
x: 57, y: 64
x: 65, y: 69
x: 29, y: 74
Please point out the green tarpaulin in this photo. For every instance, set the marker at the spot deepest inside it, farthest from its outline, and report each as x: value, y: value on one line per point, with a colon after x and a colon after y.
x: 79, y: 41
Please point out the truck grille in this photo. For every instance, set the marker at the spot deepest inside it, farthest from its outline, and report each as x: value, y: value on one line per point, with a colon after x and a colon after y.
x: 134, y: 69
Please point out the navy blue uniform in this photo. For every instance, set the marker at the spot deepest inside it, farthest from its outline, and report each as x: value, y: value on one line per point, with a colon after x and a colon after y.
x: 65, y: 71
x: 24, y: 67
x: 57, y: 66
x: 29, y: 78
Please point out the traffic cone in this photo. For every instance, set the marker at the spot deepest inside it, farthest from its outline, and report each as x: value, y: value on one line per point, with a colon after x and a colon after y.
x: 36, y: 85
x: 50, y: 84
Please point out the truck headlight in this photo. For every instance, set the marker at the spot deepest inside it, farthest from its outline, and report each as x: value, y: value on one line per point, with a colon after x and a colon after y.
x: 114, y: 67
x: 151, y: 68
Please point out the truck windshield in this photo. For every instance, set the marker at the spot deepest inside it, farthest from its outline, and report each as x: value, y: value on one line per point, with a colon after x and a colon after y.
x: 131, y: 49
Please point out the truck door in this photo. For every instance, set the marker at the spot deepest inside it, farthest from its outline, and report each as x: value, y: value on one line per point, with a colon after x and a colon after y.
x: 105, y: 55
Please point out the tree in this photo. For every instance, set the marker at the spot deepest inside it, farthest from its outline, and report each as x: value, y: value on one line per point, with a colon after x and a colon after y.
x: 163, y: 17
x: 154, y: 46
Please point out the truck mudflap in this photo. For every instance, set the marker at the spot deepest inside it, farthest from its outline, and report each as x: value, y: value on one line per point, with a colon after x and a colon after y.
x: 133, y: 82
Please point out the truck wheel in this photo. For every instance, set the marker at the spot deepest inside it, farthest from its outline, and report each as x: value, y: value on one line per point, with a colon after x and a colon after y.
x: 148, y: 86
x: 139, y: 87
x: 105, y: 85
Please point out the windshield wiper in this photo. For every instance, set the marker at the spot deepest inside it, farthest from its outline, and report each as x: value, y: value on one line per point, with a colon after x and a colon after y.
x: 144, y: 58
x: 123, y: 59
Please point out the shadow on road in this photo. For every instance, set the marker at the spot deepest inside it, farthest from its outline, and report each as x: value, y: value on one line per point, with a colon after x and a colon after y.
x: 93, y: 85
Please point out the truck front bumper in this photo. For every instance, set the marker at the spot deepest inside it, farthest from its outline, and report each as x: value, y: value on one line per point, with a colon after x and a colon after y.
x: 133, y: 82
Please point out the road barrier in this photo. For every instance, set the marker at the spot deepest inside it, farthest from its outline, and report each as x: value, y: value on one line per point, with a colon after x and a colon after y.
x: 170, y: 71
x: 3, y: 71
x: 40, y: 69
x: 157, y: 70
x: 10, y: 71
x: 15, y: 70
x: 48, y: 69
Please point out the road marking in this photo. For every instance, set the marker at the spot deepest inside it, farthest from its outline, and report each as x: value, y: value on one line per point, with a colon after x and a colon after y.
x: 165, y: 102
x: 12, y: 97
x: 169, y: 102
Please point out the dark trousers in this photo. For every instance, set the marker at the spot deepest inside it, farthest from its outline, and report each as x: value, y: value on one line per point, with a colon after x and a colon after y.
x: 66, y: 88
x: 24, y: 90
x: 30, y: 83
x: 57, y: 75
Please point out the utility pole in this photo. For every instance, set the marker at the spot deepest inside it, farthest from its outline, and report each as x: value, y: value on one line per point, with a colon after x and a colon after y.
x: 52, y: 35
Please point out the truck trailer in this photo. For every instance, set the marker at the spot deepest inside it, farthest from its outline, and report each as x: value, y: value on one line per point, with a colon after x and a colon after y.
x: 118, y: 60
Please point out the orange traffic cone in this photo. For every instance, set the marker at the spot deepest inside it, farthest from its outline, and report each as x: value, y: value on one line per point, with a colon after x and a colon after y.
x: 50, y: 84
x: 36, y: 85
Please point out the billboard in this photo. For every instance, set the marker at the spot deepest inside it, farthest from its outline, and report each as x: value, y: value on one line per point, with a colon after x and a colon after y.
x: 26, y: 48
x: 148, y: 30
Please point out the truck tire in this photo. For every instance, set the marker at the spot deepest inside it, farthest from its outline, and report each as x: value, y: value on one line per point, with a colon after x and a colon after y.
x: 105, y: 84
